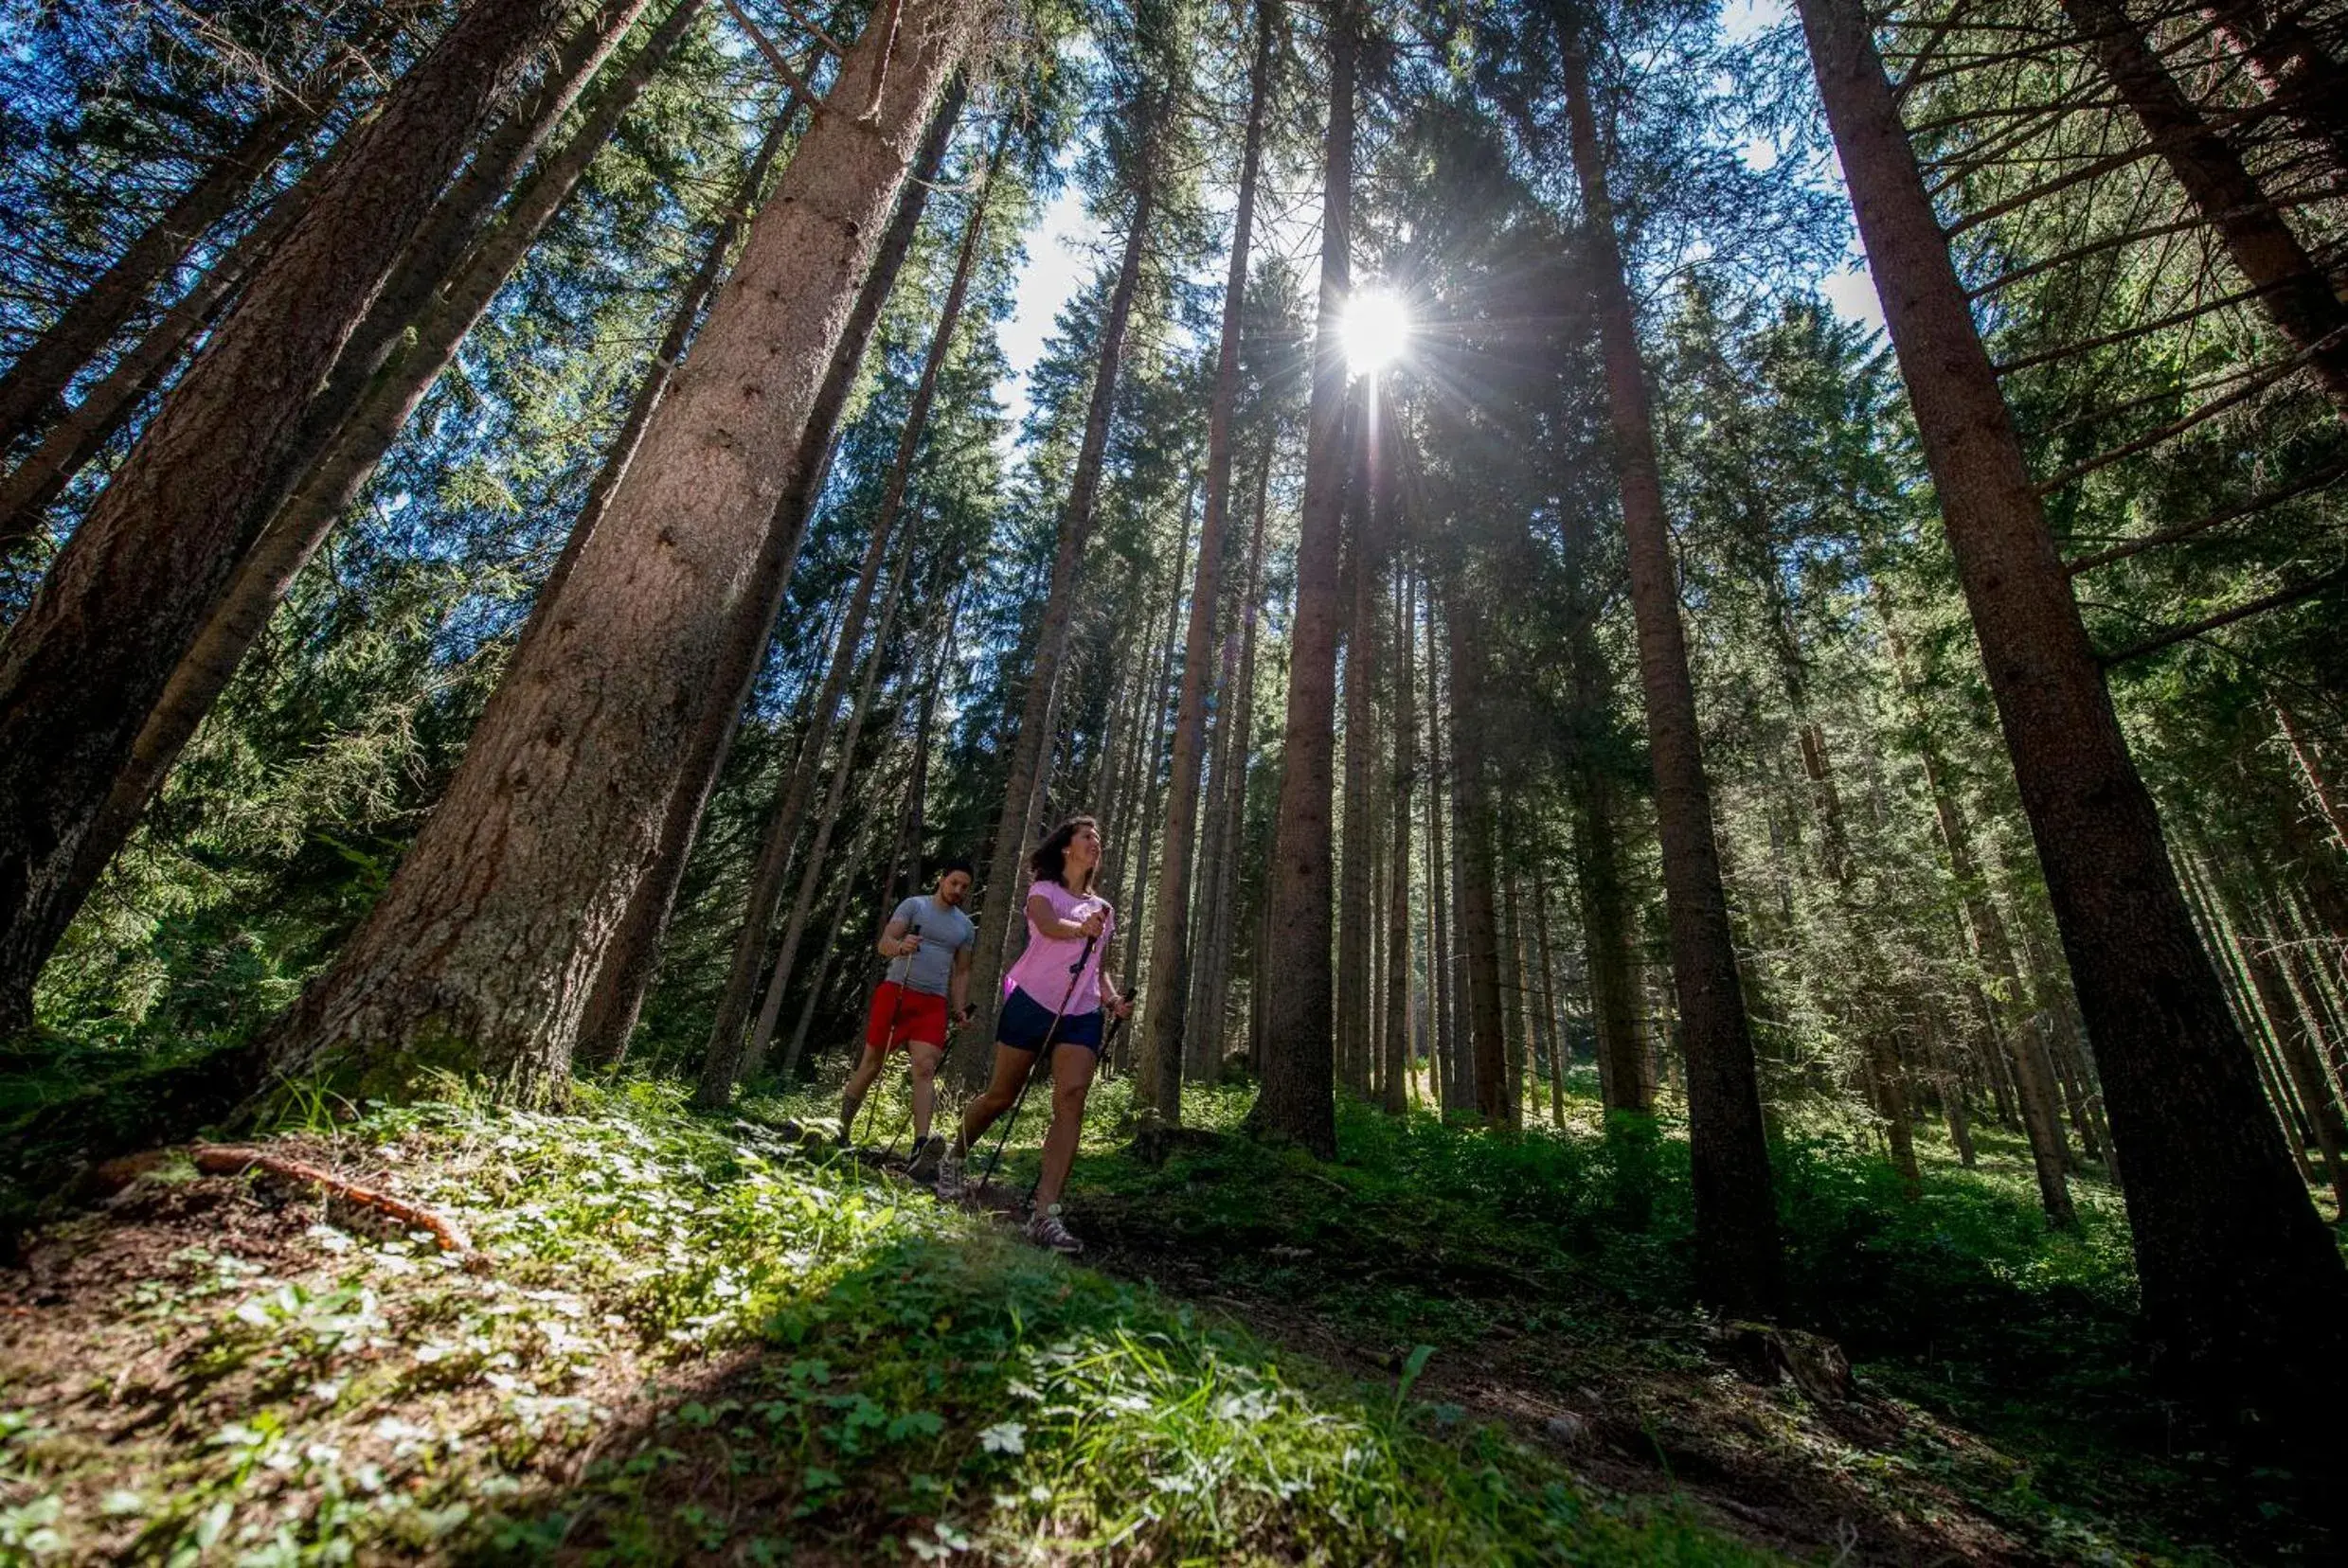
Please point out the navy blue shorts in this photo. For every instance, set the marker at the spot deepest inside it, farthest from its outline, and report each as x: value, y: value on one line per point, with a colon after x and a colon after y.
x: 1026, y: 1021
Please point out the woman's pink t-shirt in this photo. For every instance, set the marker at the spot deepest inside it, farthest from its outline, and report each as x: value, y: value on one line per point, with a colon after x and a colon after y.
x: 1042, y: 971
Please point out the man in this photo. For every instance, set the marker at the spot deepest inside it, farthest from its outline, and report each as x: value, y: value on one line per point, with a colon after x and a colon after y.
x: 928, y: 942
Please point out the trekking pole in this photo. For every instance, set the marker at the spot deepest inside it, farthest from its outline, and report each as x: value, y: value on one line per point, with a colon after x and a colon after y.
x: 1043, y: 1059
x: 1107, y: 1041
x: 896, y: 1010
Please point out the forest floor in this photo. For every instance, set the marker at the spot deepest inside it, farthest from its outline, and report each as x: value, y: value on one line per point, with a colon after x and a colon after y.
x: 697, y: 1339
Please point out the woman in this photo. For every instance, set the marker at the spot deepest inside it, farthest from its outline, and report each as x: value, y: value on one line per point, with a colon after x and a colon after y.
x: 1060, y: 989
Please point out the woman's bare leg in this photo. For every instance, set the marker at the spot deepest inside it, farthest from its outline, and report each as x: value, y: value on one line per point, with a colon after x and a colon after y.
x: 1072, y: 1067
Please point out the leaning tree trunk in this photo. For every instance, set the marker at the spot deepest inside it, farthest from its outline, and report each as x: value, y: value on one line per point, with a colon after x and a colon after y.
x: 332, y: 486
x: 635, y: 949
x: 83, y: 665
x: 484, y: 948
x: 2294, y: 69
x: 83, y: 430
x: 1028, y: 741
x: 1736, y: 1232
x: 1298, y: 1103
x: 725, y: 1061
x: 38, y: 378
x: 2243, y: 1292
x: 1158, y: 1054
x: 2292, y: 290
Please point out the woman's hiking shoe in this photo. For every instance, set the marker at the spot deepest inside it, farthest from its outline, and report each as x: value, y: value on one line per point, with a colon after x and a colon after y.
x: 950, y: 1176
x: 1045, y: 1230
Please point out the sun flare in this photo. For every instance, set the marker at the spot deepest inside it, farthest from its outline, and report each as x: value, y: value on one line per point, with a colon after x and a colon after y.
x: 1374, y: 331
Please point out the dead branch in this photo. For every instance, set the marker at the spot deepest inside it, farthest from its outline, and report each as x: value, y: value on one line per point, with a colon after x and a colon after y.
x: 236, y: 1159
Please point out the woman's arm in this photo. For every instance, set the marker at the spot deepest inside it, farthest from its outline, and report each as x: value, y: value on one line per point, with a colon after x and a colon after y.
x: 1048, y: 922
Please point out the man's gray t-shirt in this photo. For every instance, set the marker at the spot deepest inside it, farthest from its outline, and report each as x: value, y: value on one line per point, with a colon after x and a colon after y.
x: 944, y: 932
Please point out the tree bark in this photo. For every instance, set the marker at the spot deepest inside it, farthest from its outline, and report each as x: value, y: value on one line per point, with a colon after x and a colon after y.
x: 1298, y: 1103
x: 1737, y: 1262
x: 2242, y: 1292
x: 485, y: 946
x: 2293, y: 291
x: 83, y: 665
x: 827, y: 822
x: 2293, y: 68
x: 2320, y: 786
x: 1357, y: 898
x: 1001, y: 896
x: 1165, y: 1077
x: 1558, y: 1055
x: 1397, y: 1042
x: 725, y: 1061
x: 1472, y: 826
x: 634, y: 953
x: 333, y: 485
x: 82, y: 431
x: 1159, y: 1054
x: 36, y: 381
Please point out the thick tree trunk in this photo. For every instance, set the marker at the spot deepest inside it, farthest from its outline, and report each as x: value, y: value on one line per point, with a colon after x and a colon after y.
x: 1735, y: 1215
x: 83, y: 665
x: 36, y: 382
x: 2293, y: 291
x: 1003, y: 892
x: 332, y: 487
x: 634, y: 951
x: 724, y: 1062
x: 1397, y: 1042
x: 1298, y: 1103
x: 2242, y: 1292
x: 488, y: 939
x: 1158, y: 1056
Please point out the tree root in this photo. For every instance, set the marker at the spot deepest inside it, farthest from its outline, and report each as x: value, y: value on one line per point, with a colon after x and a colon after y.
x: 236, y: 1159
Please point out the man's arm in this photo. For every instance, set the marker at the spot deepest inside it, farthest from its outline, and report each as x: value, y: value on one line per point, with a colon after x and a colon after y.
x: 894, y: 943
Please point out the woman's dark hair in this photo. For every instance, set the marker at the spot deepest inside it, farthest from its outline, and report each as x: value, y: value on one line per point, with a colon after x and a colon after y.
x: 1049, y: 863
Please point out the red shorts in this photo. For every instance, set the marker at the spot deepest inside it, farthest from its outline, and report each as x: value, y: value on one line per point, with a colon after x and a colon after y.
x: 899, y: 1015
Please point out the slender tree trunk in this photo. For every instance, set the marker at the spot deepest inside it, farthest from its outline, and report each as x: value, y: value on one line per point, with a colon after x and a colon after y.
x: 1298, y: 1103
x: 1238, y: 753
x: 1513, y: 1030
x: 1002, y: 894
x: 724, y: 1064
x: 1472, y: 828
x: 1735, y: 1216
x: 1356, y: 898
x: 1165, y: 1080
x: 2293, y: 68
x: 827, y: 822
x: 1158, y: 1047
x: 1398, y: 876
x: 2320, y: 786
x: 633, y: 953
x: 2243, y: 1292
x: 83, y: 430
x: 1558, y: 1055
x: 36, y: 381
x: 490, y: 938
x: 1624, y: 1081
x: 83, y: 665
x: 320, y: 501
x: 2292, y: 289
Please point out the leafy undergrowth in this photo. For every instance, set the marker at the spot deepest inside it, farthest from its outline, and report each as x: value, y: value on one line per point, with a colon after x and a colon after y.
x: 1998, y: 1414
x: 695, y: 1340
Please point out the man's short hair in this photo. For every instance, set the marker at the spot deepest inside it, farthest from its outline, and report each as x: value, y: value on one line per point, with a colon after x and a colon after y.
x: 950, y: 865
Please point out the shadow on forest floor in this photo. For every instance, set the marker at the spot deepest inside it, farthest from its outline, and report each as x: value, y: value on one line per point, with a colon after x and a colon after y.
x: 698, y: 1340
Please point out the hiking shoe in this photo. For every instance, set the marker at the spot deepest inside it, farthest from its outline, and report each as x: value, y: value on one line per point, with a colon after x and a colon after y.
x: 1045, y: 1230
x: 950, y: 1176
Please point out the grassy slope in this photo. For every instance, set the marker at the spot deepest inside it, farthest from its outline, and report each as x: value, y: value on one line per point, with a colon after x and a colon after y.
x: 698, y: 1341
